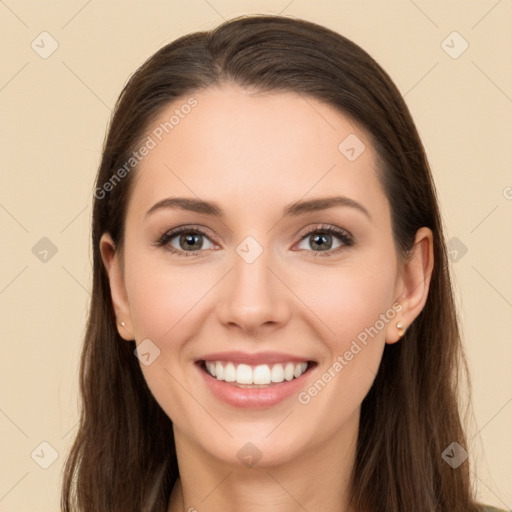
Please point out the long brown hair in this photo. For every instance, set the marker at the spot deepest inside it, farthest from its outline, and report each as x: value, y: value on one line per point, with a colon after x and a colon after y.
x: 123, y: 457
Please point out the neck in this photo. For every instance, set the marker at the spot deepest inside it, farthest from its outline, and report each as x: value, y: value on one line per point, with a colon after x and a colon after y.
x: 317, y: 478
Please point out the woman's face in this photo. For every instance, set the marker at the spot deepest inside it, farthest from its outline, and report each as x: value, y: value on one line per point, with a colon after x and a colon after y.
x: 263, y: 278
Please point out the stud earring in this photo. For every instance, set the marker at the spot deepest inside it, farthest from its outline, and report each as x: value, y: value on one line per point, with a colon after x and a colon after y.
x: 122, y: 324
x: 401, y: 328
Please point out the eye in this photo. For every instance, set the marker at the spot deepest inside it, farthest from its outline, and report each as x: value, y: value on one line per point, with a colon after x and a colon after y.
x: 189, y: 241
x: 322, y: 239
x: 184, y: 241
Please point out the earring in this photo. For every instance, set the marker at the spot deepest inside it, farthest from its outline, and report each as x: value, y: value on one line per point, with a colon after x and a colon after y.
x: 122, y: 324
x: 401, y: 328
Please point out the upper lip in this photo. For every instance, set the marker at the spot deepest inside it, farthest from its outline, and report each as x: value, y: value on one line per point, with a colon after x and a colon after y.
x: 253, y: 359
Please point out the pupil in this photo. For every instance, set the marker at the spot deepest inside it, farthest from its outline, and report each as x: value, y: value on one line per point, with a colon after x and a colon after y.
x: 324, y: 238
x: 189, y: 240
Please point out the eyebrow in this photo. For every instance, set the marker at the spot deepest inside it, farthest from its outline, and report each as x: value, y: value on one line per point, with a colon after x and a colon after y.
x: 294, y: 209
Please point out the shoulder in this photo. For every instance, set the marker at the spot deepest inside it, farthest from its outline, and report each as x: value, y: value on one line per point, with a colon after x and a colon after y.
x: 488, y: 508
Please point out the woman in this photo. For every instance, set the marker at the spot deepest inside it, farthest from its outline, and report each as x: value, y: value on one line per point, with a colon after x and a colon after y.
x: 230, y: 365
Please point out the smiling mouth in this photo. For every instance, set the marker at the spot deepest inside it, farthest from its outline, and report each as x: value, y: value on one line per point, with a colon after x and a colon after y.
x: 255, y: 376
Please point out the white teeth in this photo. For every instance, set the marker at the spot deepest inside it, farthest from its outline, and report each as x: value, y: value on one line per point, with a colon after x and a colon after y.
x: 259, y: 375
x: 211, y: 368
x: 219, y: 371
x: 277, y: 373
x: 243, y: 374
x: 229, y: 372
x: 289, y: 371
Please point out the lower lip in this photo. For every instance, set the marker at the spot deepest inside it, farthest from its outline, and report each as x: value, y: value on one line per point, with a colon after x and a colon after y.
x: 253, y: 397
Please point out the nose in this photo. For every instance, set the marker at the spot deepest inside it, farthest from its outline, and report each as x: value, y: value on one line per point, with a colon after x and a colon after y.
x: 253, y: 297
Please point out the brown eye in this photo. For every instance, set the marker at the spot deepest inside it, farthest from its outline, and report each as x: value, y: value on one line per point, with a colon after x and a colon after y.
x: 321, y: 240
x: 184, y: 241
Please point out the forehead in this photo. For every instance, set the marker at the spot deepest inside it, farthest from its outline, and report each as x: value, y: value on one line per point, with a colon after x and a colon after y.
x: 248, y: 149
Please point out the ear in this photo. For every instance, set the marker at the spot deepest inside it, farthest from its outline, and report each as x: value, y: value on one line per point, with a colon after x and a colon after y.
x: 414, y: 282
x: 113, y: 266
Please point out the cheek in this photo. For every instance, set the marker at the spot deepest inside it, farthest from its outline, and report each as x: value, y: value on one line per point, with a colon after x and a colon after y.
x: 356, y: 305
x: 348, y: 298
x: 164, y: 304
x: 161, y: 295
x: 355, y: 302
x: 351, y: 299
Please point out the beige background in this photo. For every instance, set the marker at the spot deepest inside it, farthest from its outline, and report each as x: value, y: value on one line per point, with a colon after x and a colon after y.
x: 54, y: 112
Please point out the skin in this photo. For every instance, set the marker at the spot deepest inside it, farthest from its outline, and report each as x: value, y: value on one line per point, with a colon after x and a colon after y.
x: 253, y: 154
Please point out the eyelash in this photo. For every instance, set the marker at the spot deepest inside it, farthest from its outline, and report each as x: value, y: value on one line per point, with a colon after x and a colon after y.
x: 343, y: 235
